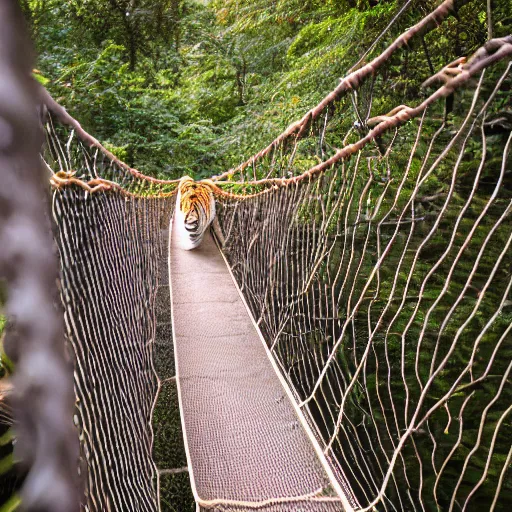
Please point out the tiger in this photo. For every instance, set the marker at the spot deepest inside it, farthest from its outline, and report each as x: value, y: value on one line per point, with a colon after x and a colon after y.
x: 195, y: 211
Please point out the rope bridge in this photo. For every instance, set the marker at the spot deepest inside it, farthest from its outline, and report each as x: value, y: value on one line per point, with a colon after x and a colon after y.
x: 373, y: 255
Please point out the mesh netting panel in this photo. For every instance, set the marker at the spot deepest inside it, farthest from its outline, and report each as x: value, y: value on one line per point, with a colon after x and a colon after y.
x: 382, y: 286
x: 109, y: 250
x: 112, y: 229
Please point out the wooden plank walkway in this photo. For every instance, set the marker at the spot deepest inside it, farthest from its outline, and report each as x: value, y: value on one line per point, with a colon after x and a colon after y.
x: 246, y: 447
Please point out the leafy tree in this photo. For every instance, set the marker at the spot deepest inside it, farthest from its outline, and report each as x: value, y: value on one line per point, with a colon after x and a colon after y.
x: 182, y: 86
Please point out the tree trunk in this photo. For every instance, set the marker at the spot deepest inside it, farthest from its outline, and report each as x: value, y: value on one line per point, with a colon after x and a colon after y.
x: 241, y: 73
x: 130, y: 28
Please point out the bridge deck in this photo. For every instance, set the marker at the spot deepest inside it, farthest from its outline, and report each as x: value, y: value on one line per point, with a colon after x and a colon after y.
x: 244, y: 440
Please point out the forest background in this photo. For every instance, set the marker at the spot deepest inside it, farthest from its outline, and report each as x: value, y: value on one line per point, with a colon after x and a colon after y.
x: 176, y: 87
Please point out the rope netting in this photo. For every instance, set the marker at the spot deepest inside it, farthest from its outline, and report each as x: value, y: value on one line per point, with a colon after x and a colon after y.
x: 112, y: 236
x: 109, y: 318
x: 381, y: 281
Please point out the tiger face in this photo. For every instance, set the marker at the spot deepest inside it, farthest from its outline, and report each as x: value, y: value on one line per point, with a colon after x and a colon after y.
x: 195, y: 210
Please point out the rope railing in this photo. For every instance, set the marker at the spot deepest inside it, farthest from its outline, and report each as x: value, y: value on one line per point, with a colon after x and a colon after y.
x: 73, y: 157
x: 64, y: 118
x: 105, y: 213
x: 454, y: 78
x: 295, y: 131
x: 353, y: 81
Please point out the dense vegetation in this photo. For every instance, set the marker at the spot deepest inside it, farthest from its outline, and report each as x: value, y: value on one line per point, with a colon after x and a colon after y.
x: 185, y: 86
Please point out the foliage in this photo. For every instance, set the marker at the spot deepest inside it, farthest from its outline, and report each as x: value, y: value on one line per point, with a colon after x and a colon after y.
x: 179, y: 87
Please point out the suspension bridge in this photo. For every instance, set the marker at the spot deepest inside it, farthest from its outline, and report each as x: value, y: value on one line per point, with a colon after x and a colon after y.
x: 342, y: 340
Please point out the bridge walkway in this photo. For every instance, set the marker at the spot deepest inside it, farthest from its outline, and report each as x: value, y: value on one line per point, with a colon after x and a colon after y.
x: 246, y: 447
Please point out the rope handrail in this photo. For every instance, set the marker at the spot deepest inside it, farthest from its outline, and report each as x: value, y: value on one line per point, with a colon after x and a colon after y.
x: 352, y: 81
x: 492, y: 52
x: 453, y: 75
x: 299, y: 128
x: 62, y: 179
x: 66, y: 119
